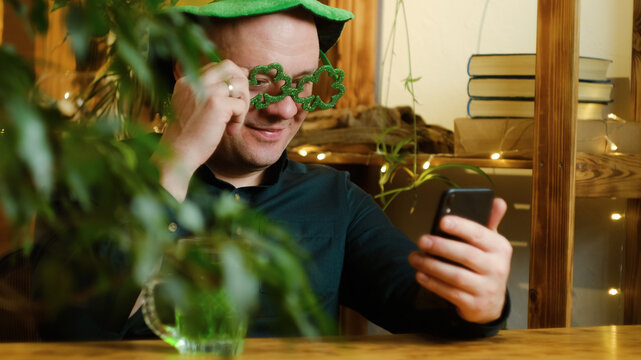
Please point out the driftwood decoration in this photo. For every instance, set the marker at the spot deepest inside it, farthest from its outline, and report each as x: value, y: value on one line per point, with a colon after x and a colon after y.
x: 357, y: 129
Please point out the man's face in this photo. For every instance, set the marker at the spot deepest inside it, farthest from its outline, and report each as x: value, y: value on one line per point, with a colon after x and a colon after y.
x: 285, y: 38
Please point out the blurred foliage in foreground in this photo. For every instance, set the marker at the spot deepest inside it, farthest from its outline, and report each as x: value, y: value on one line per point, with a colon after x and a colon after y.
x: 67, y: 163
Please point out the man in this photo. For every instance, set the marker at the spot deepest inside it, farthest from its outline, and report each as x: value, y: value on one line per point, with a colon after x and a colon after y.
x: 360, y: 259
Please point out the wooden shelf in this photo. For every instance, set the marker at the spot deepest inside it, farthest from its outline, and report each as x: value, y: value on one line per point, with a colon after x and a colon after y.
x: 597, y: 175
x: 611, y: 175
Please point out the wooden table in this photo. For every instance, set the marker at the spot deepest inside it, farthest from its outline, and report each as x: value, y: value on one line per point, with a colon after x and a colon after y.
x: 604, y: 342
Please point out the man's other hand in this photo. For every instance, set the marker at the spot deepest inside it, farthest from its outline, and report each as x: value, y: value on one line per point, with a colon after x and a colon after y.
x: 478, y: 287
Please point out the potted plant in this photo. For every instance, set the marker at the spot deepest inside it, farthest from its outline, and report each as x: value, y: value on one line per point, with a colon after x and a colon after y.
x: 80, y: 164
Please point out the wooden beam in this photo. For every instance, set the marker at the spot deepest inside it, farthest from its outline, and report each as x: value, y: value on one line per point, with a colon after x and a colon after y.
x: 635, y: 76
x: 631, y: 265
x: 603, y: 175
x: 553, y: 187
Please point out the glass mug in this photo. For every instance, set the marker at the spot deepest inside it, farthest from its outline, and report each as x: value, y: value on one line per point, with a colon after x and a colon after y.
x: 206, y: 321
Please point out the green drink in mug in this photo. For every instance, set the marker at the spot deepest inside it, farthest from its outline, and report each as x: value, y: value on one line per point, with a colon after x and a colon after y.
x: 206, y: 321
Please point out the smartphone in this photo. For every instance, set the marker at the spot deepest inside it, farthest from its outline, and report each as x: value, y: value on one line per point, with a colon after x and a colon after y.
x: 474, y: 204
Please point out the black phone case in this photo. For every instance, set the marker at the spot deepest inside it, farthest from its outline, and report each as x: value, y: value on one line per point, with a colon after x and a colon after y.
x: 474, y: 204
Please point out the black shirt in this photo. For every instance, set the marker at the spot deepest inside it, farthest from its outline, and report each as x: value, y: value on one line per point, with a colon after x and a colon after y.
x: 359, y: 259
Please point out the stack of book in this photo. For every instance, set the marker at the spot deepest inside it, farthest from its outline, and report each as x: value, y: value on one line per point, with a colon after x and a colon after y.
x: 502, y: 86
x: 501, y: 106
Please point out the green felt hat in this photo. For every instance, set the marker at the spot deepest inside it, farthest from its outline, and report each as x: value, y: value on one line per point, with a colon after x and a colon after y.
x: 329, y: 20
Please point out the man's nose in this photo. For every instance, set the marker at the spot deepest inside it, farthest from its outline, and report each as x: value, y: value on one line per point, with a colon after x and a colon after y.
x: 285, y: 109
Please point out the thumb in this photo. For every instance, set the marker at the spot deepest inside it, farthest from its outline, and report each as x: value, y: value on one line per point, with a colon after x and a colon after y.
x: 499, y: 207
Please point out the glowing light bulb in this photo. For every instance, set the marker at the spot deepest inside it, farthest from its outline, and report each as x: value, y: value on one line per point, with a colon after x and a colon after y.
x: 426, y: 165
x: 67, y: 95
x: 321, y: 156
x: 302, y: 152
x: 384, y: 169
x: 616, y: 216
x: 613, y: 292
x: 613, y: 146
x: 611, y: 116
x: 495, y: 156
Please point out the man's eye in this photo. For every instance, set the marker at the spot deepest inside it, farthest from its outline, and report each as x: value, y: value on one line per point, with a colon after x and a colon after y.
x: 262, y: 82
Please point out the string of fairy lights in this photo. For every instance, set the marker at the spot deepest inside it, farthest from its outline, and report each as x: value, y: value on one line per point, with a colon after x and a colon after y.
x: 498, y: 155
x: 611, y: 145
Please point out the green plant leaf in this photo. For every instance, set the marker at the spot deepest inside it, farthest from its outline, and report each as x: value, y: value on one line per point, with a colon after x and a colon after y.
x: 190, y: 216
x: 59, y: 4
x: 460, y: 166
x: 241, y: 283
x: 39, y: 15
x: 33, y: 145
x: 138, y: 64
x: 399, y: 146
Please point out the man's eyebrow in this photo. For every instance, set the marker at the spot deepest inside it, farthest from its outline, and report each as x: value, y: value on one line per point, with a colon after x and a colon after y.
x: 303, y: 73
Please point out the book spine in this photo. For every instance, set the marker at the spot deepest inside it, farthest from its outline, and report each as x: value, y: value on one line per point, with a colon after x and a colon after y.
x: 469, y: 61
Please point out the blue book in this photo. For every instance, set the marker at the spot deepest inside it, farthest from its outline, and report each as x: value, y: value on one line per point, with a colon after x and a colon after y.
x: 523, y: 65
x: 517, y: 108
x: 522, y: 88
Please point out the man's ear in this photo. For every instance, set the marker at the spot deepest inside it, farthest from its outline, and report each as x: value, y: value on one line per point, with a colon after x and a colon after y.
x: 178, y: 71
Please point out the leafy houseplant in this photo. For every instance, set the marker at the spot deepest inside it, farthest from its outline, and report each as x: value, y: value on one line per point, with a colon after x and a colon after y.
x: 395, y: 156
x: 91, y: 190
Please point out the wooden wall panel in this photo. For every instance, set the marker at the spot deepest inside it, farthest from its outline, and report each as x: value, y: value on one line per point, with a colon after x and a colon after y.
x: 14, y: 32
x: 554, y: 160
x: 1, y: 20
x: 54, y: 60
x: 355, y: 52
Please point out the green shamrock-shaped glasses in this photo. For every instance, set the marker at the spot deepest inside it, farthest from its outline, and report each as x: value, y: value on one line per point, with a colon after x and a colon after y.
x: 308, y: 103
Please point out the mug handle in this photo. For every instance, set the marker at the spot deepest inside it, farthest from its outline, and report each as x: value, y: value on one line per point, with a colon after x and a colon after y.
x: 165, y: 332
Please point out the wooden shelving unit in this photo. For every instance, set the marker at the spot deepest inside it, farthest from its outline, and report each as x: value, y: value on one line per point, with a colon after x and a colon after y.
x: 559, y: 173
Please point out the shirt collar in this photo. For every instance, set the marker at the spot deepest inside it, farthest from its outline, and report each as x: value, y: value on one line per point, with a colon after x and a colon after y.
x: 272, y: 174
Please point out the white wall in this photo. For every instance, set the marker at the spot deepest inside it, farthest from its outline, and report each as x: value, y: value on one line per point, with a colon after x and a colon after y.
x: 444, y: 33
